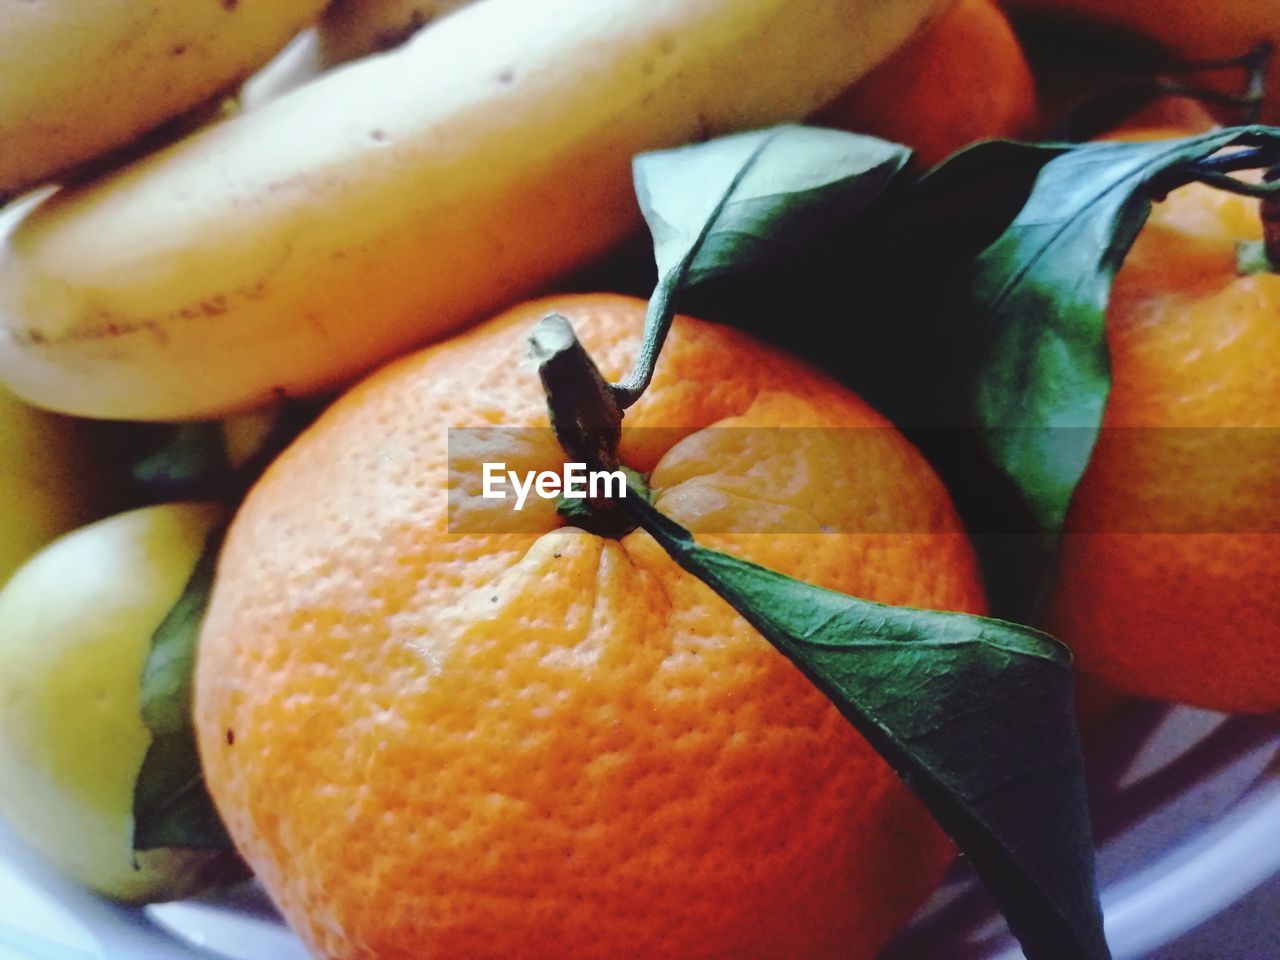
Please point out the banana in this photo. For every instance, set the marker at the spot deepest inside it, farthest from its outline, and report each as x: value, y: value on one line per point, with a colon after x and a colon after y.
x: 354, y: 28
x: 296, y: 64
x: 81, y: 79
x: 290, y: 248
x: 349, y: 30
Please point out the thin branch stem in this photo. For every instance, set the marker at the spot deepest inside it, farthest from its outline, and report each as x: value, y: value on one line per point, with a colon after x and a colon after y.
x: 1251, y: 158
x: 1221, y: 181
x: 657, y: 321
x: 1256, y: 64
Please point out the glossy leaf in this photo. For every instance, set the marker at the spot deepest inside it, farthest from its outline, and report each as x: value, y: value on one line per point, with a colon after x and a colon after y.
x: 735, y: 203
x: 1038, y: 298
x: 729, y: 204
x: 171, y: 807
x: 192, y: 462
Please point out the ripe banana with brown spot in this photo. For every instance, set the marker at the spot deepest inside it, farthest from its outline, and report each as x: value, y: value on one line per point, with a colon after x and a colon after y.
x: 80, y: 79
x: 292, y: 247
x: 351, y: 29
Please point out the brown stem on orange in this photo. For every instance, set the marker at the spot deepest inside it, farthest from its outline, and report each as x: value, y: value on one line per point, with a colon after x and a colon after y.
x: 587, y: 421
x: 580, y: 403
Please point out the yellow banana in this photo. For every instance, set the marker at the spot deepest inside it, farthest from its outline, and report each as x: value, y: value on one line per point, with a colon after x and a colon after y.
x: 55, y: 472
x: 349, y: 30
x: 296, y: 64
x: 354, y: 28
x: 80, y: 79
x: 292, y: 247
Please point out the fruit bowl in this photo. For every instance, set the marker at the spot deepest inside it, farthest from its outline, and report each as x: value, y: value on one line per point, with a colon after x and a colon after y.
x: 1186, y: 812
x: 1034, y: 219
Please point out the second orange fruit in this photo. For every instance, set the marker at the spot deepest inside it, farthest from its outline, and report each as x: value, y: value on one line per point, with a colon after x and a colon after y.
x: 549, y: 744
x: 962, y: 78
x: 1168, y: 584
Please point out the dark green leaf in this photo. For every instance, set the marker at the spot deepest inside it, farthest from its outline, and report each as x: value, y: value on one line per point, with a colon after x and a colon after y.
x: 1038, y: 299
x: 966, y: 201
x: 191, y: 463
x: 737, y: 202
x: 171, y: 807
x: 887, y: 279
x: 170, y: 666
x: 730, y: 204
x: 976, y: 715
x: 868, y: 267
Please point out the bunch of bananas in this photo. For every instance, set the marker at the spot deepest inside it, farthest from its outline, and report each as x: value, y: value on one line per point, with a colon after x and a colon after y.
x: 254, y: 253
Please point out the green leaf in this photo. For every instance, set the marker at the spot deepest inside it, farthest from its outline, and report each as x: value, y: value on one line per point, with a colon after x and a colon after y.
x: 976, y: 715
x: 171, y: 807
x: 735, y: 203
x: 965, y: 202
x: 1038, y: 298
x: 192, y: 462
x: 729, y: 204
x: 888, y: 280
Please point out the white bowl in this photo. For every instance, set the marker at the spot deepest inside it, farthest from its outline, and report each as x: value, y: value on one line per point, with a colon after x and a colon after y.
x: 1186, y: 814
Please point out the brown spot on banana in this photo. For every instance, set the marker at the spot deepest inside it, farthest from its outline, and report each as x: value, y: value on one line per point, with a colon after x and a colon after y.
x: 108, y: 73
x: 481, y: 193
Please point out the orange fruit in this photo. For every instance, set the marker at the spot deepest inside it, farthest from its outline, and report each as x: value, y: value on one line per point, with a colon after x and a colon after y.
x: 1189, y: 30
x: 1154, y: 120
x: 550, y: 744
x: 963, y: 78
x: 1096, y: 701
x: 1148, y: 126
x: 1166, y: 587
